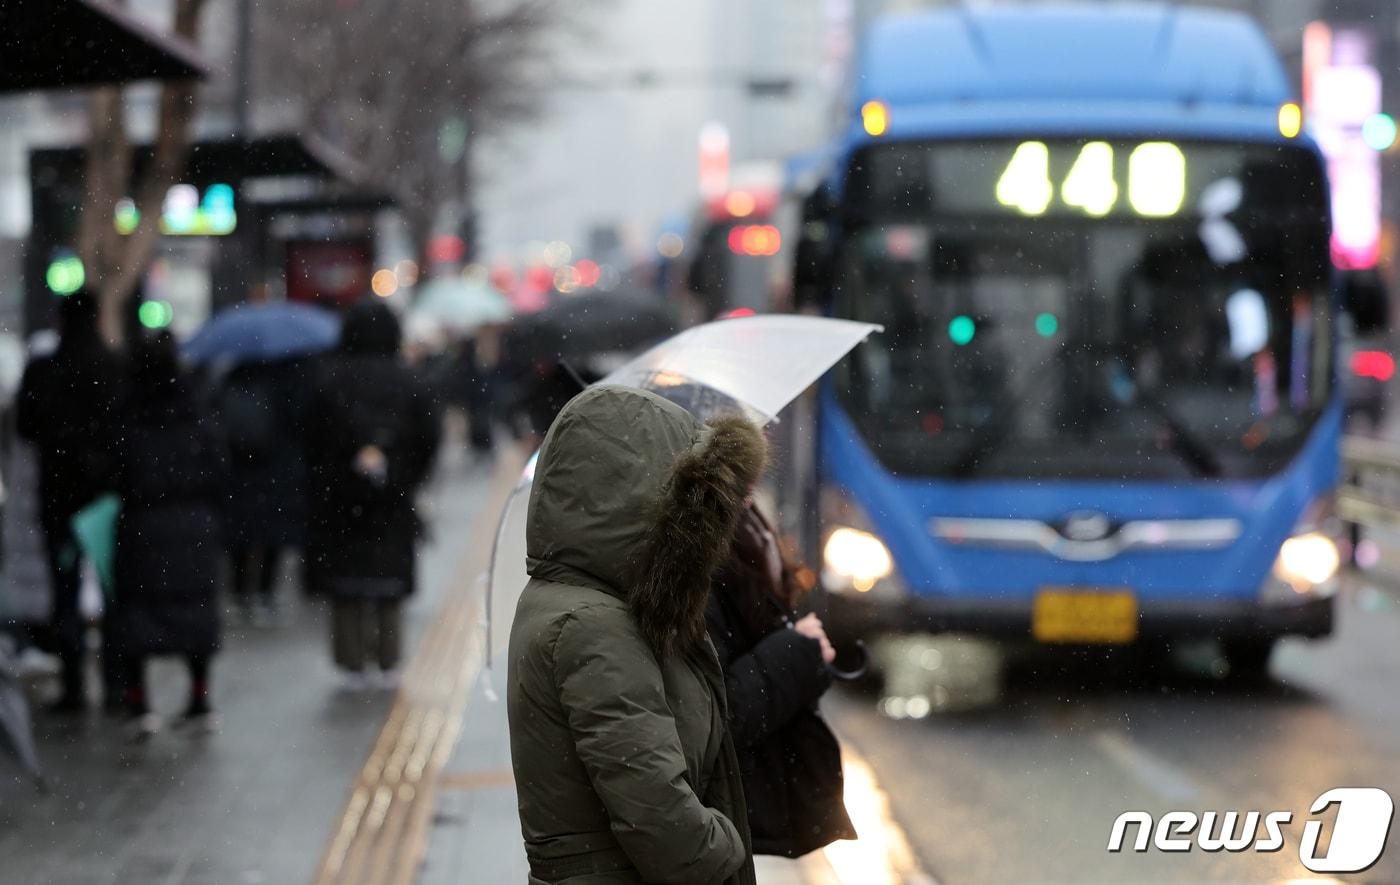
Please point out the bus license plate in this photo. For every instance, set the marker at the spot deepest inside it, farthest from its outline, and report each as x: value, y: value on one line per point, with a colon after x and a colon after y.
x: 1067, y: 614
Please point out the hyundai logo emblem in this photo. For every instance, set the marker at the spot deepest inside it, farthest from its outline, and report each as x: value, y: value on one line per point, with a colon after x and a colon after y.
x: 1086, y: 525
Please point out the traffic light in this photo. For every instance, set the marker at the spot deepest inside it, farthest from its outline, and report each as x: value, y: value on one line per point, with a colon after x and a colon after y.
x: 65, y: 274
x: 962, y: 329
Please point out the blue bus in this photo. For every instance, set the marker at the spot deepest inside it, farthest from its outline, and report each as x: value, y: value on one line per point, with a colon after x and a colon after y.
x: 1104, y: 408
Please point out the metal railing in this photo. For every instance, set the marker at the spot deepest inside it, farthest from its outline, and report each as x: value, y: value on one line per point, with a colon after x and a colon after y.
x: 1370, y: 490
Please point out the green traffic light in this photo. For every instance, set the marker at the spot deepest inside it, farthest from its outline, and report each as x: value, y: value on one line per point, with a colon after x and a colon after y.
x: 155, y: 314
x: 1046, y: 325
x: 961, y: 329
x: 126, y: 216
x: 65, y: 275
x: 1378, y: 131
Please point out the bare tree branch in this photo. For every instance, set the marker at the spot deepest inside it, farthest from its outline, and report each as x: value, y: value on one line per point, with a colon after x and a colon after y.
x: 383, y: 79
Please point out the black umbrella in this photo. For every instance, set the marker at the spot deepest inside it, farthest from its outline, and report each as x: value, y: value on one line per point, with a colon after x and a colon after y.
x: 16, y: 732
x: 578, y: 326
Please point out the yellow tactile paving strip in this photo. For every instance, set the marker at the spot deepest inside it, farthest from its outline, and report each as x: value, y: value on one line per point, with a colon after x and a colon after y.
x: 382, y: 834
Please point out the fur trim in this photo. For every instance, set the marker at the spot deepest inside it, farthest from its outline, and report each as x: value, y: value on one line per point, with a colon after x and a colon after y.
x: 691, y: 529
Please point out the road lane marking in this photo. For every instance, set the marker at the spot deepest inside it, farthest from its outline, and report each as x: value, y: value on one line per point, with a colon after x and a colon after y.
x: 1152, y: 771
x: 476, y: 780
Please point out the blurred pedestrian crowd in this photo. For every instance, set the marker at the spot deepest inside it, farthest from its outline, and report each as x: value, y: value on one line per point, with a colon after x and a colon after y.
x: 145, y: 485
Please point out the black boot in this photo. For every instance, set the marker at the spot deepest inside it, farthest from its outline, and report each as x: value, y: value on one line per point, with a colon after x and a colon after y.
x: 73, y: 699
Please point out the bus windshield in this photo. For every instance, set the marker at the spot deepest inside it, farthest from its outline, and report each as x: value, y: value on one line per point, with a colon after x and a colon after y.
x: 1083, y: 308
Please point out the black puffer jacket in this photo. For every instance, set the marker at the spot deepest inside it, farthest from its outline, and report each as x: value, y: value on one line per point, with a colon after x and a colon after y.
x: 261, y: 406
x: 774, y: 676
x: 360, y: 541
x: 65, y: 406
x: 170, y: 470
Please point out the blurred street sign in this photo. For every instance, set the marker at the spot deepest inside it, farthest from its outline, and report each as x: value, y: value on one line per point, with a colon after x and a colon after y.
x: 770, y: 87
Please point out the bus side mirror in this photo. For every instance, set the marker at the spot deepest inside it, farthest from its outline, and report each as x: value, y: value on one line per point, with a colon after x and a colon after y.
x: 812, y: 257
x: 1364, y: 297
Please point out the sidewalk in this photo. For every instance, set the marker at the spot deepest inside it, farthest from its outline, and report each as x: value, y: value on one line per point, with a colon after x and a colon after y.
x: 254, y: 803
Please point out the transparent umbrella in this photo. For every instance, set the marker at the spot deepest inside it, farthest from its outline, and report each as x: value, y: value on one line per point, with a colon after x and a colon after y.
x: 758, y: 363
x: 460, y: 304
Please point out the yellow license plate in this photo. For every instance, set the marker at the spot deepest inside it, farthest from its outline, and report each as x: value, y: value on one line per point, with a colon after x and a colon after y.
x: 1090, y: 615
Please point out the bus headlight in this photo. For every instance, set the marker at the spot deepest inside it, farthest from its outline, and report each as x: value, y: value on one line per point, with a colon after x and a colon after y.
x: 1307, y: 561
x: 857, y: 558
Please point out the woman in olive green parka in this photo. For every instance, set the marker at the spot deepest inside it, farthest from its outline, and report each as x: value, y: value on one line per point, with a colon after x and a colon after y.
x: 623, y: 763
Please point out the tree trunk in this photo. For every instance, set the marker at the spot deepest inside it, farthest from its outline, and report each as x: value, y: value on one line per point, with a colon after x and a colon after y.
x: 115, y: 264
x: 108, y: 166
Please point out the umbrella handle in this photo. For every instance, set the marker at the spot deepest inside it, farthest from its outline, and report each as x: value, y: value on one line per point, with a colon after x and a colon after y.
x: 855, y: 673
x: 789, y: 620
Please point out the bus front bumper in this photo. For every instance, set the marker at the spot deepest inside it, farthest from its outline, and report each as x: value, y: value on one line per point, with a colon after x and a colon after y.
x: 850, y: 617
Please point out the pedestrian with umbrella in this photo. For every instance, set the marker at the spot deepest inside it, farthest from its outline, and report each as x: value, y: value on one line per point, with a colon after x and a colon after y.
x: 776, y: 664
x: 459, y: 304
x: 756, y: 364
x: 257, y: 357
x: 550, y: 350
x: 249, y: 333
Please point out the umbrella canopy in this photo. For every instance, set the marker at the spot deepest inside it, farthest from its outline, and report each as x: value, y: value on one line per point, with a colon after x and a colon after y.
x: 460, y: 304
x: 263, y: 333
x: 16, y: 733
x: 55, y: 43
x: 761, y: 363
x: 590, y: 323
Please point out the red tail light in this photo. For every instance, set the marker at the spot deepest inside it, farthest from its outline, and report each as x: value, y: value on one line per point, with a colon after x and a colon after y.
x: 1375, y: 364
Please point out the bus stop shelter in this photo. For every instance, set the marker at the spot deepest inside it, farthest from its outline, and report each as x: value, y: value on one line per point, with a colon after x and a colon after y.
x: 256, y: 179
x: 52, y: 44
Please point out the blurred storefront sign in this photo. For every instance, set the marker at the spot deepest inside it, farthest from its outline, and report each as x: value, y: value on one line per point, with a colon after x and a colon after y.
x: 334, y: 273
x: 1342, y: 95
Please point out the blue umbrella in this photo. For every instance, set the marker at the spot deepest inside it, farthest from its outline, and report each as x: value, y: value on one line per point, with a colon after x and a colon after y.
x: 263, y: 333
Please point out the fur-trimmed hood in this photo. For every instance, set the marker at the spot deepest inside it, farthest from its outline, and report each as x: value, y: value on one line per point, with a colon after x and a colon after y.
x: 633, y: 496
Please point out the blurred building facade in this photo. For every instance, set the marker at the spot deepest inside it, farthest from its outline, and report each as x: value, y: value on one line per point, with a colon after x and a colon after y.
x: 614, y: 156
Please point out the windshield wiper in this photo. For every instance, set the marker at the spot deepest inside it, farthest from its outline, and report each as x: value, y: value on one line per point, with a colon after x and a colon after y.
x: 1189, y: 447
x: 1194, y: 452
x: 988, y: 437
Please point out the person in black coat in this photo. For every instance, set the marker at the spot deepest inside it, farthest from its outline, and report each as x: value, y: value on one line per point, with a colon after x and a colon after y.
x: 475, y: 387
x: 371, y: 437
x: 261, y: 407
x: 170, y: 470
x: 776, y: 669
x: 65, y: 406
